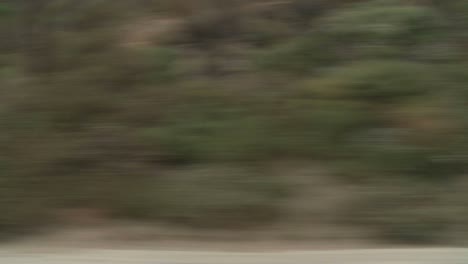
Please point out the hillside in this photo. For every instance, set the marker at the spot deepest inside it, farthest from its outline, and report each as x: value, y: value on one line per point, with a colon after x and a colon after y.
x: 322, y: 119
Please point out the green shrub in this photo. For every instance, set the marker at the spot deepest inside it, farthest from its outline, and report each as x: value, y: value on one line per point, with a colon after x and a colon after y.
x: 23, y: 207
x: 382, y: 138
x: 215, y: 197
x: 124, y: 69
x: 162, y: 63
x: 397, y: 211
x: 211, y: 139
x: 5, y: 9
x: 319, y: 128
x: 266, y: 32
x: 377, y: 81
x: 382, y: 27
x: 306, y: 10
x: 300, y: 55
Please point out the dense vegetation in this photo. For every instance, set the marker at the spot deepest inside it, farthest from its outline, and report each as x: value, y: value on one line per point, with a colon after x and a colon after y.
x: 187, y: 121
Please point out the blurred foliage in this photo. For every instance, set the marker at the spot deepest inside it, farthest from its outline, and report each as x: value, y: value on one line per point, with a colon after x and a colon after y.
x: 303, y: 54
x: 402, y: 212
x: 5, y: 9
x: 384, y: 22
x: 375, y: 91
x: 215, y: 197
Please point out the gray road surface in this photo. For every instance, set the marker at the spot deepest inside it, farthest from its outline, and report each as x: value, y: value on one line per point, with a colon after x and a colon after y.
x: 92, y: 256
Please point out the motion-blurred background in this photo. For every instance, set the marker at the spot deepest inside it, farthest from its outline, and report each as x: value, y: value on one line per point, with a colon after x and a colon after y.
x: 302, y: 119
